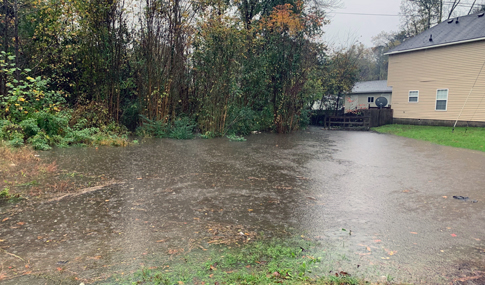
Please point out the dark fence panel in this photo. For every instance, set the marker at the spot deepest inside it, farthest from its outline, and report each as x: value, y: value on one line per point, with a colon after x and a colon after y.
x: 369, y: 118
x: 379, y: 117
x: 348, y: 122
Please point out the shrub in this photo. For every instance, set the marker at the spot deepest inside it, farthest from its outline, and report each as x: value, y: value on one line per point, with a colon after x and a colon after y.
x: 244, y: 120
x: 40, y: 141
x: 235, y: 138
x: 152, y: 128
x: 183, y: 129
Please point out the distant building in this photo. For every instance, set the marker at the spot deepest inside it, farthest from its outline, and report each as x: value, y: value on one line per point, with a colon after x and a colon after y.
x: 439, y: 75
x: 365, y: 93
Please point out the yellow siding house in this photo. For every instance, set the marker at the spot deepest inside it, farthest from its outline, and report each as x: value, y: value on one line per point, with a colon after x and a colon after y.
x: 438, y: 76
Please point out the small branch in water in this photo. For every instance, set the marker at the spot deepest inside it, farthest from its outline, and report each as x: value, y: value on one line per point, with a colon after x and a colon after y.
x: 12, y: 254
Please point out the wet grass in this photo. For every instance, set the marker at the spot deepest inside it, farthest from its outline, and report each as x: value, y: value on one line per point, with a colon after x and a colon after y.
x: 262, y: 262
x: 24, y: 175
x: 470, y: 138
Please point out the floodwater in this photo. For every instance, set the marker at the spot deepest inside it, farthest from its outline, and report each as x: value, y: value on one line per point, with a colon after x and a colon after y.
x: 382, y: 203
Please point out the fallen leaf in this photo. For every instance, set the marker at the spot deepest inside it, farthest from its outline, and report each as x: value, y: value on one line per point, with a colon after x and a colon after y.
x: 140, y: 178
x: 385, y: 257
x: 405, y: 191
x: 162, y: 240
x: 477, y: 239
x: 5, y: 219
x: 248, y: 266
x: 250, y: 210
x: 21, y: 223
x: 343, y: 273
x: 180, y: 282
x: 1, y: 240
x: 414, y: 233
x: 453, y: 235
x: 445, y: 197
x: 377, y: 240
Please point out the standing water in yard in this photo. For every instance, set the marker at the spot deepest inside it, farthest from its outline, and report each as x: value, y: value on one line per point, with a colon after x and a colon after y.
x: 375, y: 206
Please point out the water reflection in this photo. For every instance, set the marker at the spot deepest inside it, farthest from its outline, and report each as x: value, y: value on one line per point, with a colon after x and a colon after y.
x: 386, y: 192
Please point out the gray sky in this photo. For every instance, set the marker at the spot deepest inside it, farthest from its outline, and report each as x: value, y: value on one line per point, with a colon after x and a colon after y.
x: 345, y: 29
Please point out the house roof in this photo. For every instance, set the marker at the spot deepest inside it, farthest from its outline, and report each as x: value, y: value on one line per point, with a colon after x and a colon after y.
x: 378, y: 86
x: 454, y: 31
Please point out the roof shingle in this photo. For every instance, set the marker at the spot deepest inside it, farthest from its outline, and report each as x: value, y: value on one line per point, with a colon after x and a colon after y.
x: 378, y: 86
x: 453, y: 31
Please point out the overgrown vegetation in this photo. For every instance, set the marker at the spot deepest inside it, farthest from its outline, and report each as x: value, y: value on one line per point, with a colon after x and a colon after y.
x: 263, y: 262
x: 86, y: 72
x: 470, y: 138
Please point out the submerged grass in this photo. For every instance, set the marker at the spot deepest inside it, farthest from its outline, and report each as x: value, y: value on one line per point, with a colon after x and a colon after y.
x: 25, y: 175
x: 470, y: 138
x: 261, y: 262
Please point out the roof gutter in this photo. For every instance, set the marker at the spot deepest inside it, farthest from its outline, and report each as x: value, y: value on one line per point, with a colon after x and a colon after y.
x: 371, y: 92
x: 436, y: 46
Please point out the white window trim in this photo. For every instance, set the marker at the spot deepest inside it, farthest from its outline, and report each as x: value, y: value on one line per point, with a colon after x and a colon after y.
x: 413, y: 96
x: 447, y: 98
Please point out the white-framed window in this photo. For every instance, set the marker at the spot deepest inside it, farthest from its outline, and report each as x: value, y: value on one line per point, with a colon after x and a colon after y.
x: 413, y: 96
x: 441, y: 99
x: 370, y: 99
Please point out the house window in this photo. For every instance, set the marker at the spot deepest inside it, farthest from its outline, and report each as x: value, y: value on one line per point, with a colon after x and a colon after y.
x: 441, y: 99
x: 370, y: 99
x: 413, y: 96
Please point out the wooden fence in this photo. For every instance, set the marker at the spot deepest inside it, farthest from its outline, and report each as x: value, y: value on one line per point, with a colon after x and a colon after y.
x: 379, y: 117
x: 373, y: 117
x: 348, y: 122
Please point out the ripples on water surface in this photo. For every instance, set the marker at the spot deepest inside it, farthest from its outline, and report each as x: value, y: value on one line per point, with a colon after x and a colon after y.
x: 388, y: 191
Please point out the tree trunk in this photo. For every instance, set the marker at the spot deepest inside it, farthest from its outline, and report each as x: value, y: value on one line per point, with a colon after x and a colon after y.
x: 16, y: 35
x: 3, y: 78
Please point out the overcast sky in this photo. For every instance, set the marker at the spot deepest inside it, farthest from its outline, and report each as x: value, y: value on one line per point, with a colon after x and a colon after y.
x: 344, y: 29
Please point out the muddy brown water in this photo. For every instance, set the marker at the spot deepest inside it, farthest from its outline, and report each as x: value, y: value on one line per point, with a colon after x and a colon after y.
x: 392, y: 195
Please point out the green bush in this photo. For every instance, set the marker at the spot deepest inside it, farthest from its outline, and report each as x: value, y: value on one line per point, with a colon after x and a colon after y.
x: 152, y: 128
x: 183, y: 129
x: 27, y: 95
x: 30, y: 127
x: 243, y: 121
x: 305, y: 118
x: 235, y: 138
x: 40, y: 141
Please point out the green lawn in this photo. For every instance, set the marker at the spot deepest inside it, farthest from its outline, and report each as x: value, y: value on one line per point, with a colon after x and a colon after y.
x: 471, y: 138
x: 275, y: 261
